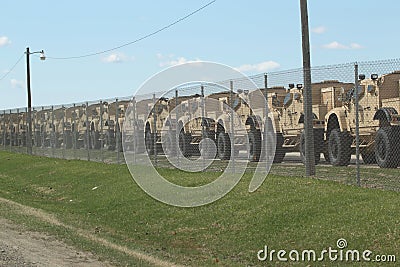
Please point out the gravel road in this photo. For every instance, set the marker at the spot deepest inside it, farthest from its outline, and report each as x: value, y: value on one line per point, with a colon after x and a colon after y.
x: 19, y: 247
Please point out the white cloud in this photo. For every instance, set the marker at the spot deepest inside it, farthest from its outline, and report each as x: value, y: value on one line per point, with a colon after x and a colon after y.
x: 319, y: 30
x: 260, y: 67
x: 17, y: 84
x: 4, y: 41
x: 337, y: 45
x: 115, y: 58
x: 170, y: 60
x: 355, y: 46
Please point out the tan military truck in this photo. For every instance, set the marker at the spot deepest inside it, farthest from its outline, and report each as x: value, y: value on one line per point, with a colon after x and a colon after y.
x: 71, y: 125
x: 379, y: 99
x: 247, y: 125
x: 134, y: 125
x: 3, y: 129
x: 116, y: 117
x: 22, y: 129
x: 82, y: 126
x: 289, y: 125
x: 41, y: 126
x: 194, y: 124
x: 99, y: 131
x: 159, y: 112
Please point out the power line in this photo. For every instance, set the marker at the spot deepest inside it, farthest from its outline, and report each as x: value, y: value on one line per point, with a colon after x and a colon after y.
x: 12, y: 68
x: 141, y: 38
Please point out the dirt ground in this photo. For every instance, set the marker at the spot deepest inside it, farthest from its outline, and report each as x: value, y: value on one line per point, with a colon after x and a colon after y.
x: 19, y: 247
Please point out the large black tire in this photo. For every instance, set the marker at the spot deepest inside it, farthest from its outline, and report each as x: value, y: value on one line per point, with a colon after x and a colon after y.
x: 149, y: 141
x: 169, y: 144
x: 387, y: 147
x: 87, y: 140
x: 279, y: 150
x: 224, y: 146
x: 339, y: 148
x: 254, y: 145
x: 68, y: 139
x: 368, y: 157
x: 317, y: 147
x: 208, y: 147
x: 95, y: 139
x: 184, y: 144
x: 109, y: 140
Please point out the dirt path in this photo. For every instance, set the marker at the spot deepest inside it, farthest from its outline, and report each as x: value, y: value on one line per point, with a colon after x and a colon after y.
x: 19, y: 247
x: 82, y: 259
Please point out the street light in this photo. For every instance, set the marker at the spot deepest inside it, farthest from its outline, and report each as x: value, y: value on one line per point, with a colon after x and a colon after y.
x: 28, y: 83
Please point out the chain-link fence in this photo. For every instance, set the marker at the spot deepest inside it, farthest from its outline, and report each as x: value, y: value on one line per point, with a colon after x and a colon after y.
x: 212, y: 127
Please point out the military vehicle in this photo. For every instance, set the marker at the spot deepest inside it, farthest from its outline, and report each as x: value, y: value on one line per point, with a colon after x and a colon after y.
x: 193, y: 125
x: 288, y: 118
x: 101, y: 131
x: 71, y: 125
x: 154, y: 127
x: 115, y: 123
x: 134, y: 125
x: 22, y: 129
x: 378, y: 119
x: 42, y: 128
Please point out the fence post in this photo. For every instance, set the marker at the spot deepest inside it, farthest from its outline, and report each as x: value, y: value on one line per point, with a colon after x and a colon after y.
x: 232, y: 129
x: 10, y: 126
x: 155, y: 130
x: 118, y: 128
x: 87, y: 132
x: 266, y: 128
x: 17, y: 131
x: 135, y: 129
x: 357, y: 123
x: 101, y: 131
x: 203, y: 134
x: 74, y: 126
x: 53, y: 133
x: 64, y: 143
x: 4, y: 129
x: 308, y: 115
x: 26, y: 130
x: 177, y: 126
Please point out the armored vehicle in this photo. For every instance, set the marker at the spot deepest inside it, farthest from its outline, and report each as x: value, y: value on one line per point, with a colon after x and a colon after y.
x: 379, y: 121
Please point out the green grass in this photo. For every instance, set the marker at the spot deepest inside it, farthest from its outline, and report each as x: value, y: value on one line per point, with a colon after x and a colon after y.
x: 285, y: 213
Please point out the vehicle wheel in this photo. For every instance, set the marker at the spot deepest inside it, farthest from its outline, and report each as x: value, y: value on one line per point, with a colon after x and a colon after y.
x: 149, y: 141
x: 254, y: 146
x: 386, y: 148
x: 224, y: 146
x: 368, y: 157
x: 68, y: 139
x: 207, y: 146
x: 169, y: 144
x: 94, y: 138
x: 302, y: 148
x: 86, y: 141
x: 184, y: 144
x: 326, y: 157
x: 339, y: 148
x: 109, y: 140
x: 279, y: 150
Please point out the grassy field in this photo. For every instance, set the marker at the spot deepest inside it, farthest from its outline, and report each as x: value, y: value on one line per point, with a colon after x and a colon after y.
x: 285, y: 213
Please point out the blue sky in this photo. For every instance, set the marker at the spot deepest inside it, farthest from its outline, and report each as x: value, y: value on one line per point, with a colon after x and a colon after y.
x: 252, y: 36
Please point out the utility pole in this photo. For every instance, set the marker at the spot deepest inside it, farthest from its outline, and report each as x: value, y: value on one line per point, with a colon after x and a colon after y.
x: 28, y: 87
x: 28, y: 83
x: 308, y: 116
